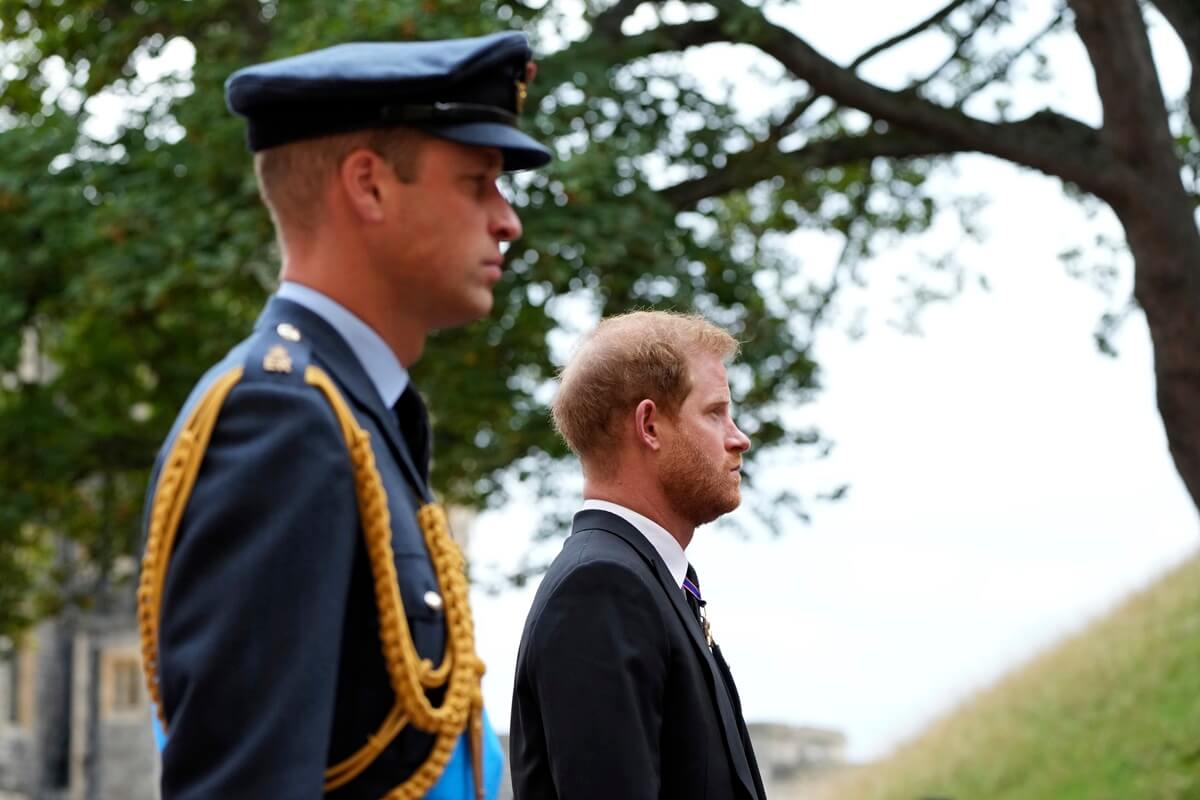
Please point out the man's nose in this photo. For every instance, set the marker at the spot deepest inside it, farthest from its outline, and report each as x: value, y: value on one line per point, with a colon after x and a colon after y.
x: 738, y: 441
x: 506, y: 225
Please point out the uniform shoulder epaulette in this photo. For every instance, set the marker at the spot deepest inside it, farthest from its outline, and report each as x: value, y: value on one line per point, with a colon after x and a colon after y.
x: 277, y: 353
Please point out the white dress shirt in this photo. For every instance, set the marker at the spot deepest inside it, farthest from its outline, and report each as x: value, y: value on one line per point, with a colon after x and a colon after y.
x: 377, y: 359
x: 668, y: 546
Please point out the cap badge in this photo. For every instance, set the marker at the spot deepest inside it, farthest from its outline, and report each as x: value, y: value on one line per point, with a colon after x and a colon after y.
x: 277, y: 360
x: 522, y: 93
x: 287, y: 330
x: 523, y: 85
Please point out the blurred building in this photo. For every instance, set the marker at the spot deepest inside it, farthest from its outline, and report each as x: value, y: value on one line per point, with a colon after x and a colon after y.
x: 793, y: 758
x: 93, y: 740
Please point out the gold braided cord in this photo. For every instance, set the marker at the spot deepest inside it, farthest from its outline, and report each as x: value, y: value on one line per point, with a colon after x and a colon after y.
x: 410, y: 675
x: 170, y: 498
x: 347, y: 770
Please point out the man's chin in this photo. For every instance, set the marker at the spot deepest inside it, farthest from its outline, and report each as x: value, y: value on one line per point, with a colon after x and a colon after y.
x: 466, y: 315
x: 715, y: 513
x: 733, y: 499
x: 734, y: 502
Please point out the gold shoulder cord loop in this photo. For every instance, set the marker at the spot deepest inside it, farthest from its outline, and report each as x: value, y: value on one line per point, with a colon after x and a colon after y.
x: 410, y: 675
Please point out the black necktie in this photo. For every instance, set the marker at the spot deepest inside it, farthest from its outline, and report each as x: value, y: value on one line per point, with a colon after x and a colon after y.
x: 414, y: 427
x: 691, y: 590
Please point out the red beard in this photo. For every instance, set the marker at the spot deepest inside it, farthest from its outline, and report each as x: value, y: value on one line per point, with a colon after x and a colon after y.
x: 699, y: 488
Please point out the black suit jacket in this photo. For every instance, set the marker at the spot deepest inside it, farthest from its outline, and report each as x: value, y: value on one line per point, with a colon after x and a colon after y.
x: 617, y: 694
x: 270, y: 661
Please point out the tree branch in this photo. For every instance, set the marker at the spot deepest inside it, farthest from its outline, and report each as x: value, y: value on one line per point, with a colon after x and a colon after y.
x: 960, y: 42
x: 1184, y: 17
x: 1046, y: 141
x: 1051, y: 143
x: 920, y: 27
x: 1009, y: 60
x: 746, y: 168
x: 608, y: 22
x: 1135, y: 118
x: 614, y: 48
x: 937, y: 18
x: 764, y: 161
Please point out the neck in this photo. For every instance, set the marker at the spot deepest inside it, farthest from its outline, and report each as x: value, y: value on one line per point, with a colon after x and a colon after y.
x: 343, y: 273
x: 646, y: 498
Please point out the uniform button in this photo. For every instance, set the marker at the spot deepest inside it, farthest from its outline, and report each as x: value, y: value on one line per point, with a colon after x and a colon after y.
x: 288, y: 331
x: 433, y: 600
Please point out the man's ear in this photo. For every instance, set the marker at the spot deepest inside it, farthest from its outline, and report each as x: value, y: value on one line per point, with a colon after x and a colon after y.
x: 645, y: 420
x: 360, y: 179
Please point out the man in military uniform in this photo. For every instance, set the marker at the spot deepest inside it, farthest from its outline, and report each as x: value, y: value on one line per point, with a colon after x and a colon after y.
x: 294, y: 608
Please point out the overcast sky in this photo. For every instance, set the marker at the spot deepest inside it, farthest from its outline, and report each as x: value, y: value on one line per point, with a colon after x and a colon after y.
x: 1009, y: 483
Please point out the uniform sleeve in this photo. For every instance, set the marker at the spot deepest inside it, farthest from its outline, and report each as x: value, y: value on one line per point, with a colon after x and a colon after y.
x: 252, y: 614
x: 598, y: 666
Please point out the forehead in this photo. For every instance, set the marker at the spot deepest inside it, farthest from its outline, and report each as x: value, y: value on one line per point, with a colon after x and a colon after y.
x: 709, y: 378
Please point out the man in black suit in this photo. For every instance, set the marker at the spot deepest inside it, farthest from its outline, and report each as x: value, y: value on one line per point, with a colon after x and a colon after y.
x: 298, y: 587
x: 620, y: 691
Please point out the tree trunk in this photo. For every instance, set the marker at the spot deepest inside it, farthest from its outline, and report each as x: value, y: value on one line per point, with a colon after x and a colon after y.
x: 1166, y: 251
x: 1157, y: 213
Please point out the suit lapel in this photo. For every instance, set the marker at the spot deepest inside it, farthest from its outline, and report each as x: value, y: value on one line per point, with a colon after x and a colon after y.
x: 339, y: 360
x: 743, y: 731
x: 594, y: 519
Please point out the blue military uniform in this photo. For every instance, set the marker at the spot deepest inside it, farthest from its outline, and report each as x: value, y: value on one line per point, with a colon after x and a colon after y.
x: 268, y: 637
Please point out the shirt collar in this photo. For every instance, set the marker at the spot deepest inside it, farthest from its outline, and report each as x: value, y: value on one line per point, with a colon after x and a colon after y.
x: 668, y: 546
x: 381, y: 365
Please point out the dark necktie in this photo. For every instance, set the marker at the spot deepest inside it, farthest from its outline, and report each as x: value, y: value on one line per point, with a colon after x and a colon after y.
x: 414, y: 427
x: 691, y: 590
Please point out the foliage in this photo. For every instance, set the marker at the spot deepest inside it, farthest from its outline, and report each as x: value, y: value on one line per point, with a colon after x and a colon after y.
x: 133, y: 253
x: 1109, y: 714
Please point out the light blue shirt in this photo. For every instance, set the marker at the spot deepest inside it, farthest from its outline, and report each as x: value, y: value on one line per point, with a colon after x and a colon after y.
x: 382, y: 367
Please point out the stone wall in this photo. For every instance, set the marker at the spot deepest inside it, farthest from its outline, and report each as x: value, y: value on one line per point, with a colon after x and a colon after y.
x: 129, y: 761
x: 15, y: 760
x: 126, y: 762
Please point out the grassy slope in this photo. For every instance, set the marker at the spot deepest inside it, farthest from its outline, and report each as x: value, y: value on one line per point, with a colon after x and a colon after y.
x: 1112, y: 713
